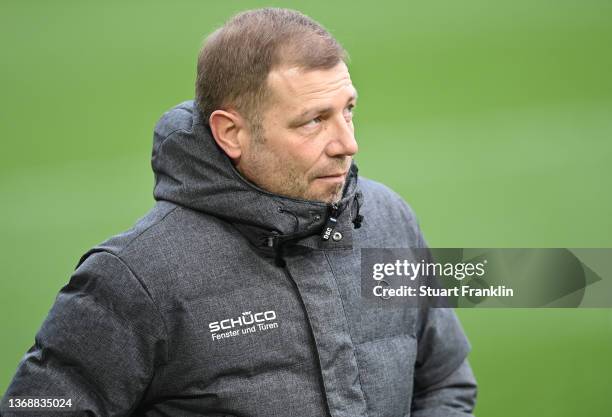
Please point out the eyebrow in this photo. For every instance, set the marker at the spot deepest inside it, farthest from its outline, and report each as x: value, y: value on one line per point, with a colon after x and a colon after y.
x: 322, y: 110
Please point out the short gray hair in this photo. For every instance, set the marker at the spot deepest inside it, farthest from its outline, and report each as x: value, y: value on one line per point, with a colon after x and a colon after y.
x: 235, y: 60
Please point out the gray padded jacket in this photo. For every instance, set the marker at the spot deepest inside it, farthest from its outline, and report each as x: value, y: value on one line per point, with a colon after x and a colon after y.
x: 225, y: 300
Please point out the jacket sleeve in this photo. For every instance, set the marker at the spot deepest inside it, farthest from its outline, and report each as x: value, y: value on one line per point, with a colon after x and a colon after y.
x: 98, y: 346
x: 444, y: 384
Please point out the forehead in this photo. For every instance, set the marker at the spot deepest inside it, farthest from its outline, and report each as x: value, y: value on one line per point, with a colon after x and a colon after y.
x: 295, y: 88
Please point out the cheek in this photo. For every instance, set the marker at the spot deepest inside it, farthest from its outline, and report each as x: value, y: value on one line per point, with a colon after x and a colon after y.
x: 298, y: 153
x: 307, y: 157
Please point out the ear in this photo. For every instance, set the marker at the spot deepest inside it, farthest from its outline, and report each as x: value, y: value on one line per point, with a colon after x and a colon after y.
x: 228, y: 130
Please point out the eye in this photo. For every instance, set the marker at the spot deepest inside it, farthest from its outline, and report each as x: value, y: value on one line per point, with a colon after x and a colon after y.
x: 313, y: 122
x: 348, y: 112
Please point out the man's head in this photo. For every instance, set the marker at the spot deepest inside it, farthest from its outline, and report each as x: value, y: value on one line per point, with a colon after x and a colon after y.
x: 276, y: 92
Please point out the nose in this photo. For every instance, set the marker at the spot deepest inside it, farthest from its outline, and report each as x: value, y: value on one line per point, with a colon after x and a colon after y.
x: 342, y: 138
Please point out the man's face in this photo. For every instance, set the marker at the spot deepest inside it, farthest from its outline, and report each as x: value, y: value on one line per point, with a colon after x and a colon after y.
x: 307, y: 141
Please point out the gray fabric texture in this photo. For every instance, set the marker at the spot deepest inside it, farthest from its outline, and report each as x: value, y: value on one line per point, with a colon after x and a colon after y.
x: 130, y: 334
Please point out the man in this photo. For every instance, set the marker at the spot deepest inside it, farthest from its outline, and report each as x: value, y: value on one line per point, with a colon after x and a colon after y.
x: 238, y: 294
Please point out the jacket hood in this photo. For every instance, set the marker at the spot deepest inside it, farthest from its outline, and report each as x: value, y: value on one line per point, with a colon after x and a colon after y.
x: 192, y: 171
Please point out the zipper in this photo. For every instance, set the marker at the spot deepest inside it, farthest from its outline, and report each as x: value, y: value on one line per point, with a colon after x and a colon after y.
x: 276, y: 240
x: 330, y: 223
x: 312, y: 334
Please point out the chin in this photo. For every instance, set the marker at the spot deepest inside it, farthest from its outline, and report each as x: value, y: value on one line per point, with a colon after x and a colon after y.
x: 327, y: 196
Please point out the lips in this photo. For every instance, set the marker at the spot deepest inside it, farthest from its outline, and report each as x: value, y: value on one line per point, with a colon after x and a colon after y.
x: 338, y: 175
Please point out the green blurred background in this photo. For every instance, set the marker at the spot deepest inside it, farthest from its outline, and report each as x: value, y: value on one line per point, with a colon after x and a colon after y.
x: 492, y: 119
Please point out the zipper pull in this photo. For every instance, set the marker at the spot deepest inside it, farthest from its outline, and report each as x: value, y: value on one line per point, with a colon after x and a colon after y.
x: 270, y: 241
x: 330, y: 224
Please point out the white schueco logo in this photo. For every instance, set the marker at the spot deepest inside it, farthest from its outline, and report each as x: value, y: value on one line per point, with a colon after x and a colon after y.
x: 231, y: 327
x: 245, y: 320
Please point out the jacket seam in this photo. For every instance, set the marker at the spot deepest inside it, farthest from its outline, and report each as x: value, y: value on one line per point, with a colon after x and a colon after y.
x: 180, y: 129
x: 154, y: 224
x: 381, y: 338
x: 348, y: 330
x: 146, y: 290
x: 117, y: 255
x: 311, y: 332
x: 163, y: 142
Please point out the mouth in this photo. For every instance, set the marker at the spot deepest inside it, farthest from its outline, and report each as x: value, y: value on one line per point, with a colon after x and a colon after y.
x: 342, y: 174
x: 333, y: 177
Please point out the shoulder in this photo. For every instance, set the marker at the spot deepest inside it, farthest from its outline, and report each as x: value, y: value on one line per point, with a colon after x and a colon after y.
x: 383, y: 199
x: 154, y: 224
x: 166, y: 233
x: 110, y: 276
x: 168, y: 245
x: 387, y: 212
